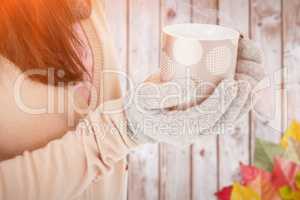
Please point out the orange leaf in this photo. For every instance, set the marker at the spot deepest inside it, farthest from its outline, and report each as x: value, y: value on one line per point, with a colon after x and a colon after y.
x: 293, y: 131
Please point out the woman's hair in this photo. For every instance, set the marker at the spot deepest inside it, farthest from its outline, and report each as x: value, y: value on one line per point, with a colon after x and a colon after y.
x: 39, y: 34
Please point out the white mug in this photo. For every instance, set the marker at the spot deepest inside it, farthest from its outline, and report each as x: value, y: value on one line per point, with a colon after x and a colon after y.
x: 202, y: 52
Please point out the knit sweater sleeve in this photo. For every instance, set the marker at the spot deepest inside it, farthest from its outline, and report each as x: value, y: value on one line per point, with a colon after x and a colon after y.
x: 66, y: 167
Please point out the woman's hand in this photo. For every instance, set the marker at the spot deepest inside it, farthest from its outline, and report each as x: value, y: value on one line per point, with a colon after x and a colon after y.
x: 153, y: 114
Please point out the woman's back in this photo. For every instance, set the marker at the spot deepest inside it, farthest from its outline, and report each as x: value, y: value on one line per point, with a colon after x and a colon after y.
x: 32, y: 113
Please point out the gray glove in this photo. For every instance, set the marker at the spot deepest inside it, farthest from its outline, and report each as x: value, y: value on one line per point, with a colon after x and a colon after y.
x: 153, y: 113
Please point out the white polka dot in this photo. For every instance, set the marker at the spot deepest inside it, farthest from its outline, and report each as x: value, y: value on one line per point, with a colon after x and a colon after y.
x: 187, y: 52
x: 218, y: 60
x: 167, y: 68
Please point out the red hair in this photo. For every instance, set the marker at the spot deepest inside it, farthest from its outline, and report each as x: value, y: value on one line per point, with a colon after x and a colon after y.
x: 38, y: 34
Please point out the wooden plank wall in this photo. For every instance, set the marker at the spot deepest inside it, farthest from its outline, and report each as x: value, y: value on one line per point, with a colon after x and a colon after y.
x: 175, y: 164
x: 291, y: 58
x: 163, y: 172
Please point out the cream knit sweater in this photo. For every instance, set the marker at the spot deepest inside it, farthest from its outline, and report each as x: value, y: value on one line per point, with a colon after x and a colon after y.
x: 81, y: 165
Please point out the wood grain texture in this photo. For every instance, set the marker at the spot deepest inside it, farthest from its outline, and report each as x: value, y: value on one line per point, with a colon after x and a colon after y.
x: 291, y: 41
x: 175, y: 163
x: 234, y: 147
x: 204, y: 152
x: 266, y: 30
x: 116, y: 14
x: 205, y: 11
x: 143, y: 56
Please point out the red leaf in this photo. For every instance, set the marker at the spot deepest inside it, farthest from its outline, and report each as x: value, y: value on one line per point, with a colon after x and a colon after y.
x: 225, y: 193
x: 260, y: 181
x: 284, y: 173
x: 250, y: 173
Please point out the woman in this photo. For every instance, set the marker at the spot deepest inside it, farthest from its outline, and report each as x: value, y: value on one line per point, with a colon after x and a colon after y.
x: 78, y: 151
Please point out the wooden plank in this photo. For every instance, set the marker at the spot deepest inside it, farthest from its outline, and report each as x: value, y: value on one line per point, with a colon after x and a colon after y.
x: 204, y: 11
x: 204, y: 153
x: 143, y: 41
x: 291, y: 41
x: 116, y: 12
x: 266, y: 29
x: 235, y: 15
x: 175, y: 163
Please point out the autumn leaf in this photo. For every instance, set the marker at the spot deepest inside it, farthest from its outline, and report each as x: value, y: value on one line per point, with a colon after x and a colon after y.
x: 240, y: 192
x: 265, y: 153
x: 225, y: 193
x: 297, y: 180
x: 293, y: 131
x: 250, y: 173
x: 290, y: 193
x: 292, y: 152
x: 284, y: 173
x: 276, y: 174
x: 269, y: 191
x: 287, y: 193
x: 260, y: 181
